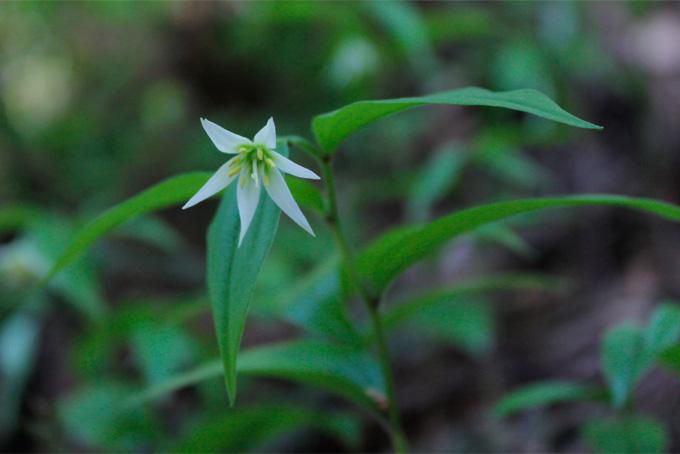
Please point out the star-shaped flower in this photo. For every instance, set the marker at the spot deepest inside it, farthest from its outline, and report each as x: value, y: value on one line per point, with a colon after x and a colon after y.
x: 255, y: 162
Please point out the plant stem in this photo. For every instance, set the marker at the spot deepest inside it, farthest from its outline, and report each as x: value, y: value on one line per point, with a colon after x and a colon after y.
x: 371, y: 301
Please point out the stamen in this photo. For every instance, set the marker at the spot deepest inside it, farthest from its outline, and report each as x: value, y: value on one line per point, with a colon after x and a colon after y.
x: 260, y: 154
x: 243, y: 180
x: 234, y: 171
x: 270, y: 163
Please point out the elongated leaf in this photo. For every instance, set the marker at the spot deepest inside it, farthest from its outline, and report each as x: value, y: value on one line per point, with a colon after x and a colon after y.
x: 330, y: 129
x: 347, y: 371
x: 543, y: 394
x: 622, y: 357
x: 395, y: 251
x: 164, y: 194
x: 634, y: 434
x: 232, y: 270
x: 256, y: 428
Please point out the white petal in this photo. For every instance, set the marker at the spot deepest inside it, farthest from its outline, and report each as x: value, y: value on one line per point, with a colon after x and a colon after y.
x: 215, y: 184
x: 225, y: 141
x: 247, y: 197
x: 287, y: 166
x: 267, y: 135
x: 280, y: 194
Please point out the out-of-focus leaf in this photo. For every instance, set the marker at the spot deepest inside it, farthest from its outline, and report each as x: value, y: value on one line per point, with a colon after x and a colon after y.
x: 662, y: 332
x: 439, y: 175
x: 96, y: 415
x: 78, y: 284
x: 232, y: 270
x: 331, y: 128
x: 629, y: 351
x: 629, y: 435
x: 153, y: 231
x: 622, y: 361
x: 505, y: 236
x: 19, y: 335
x: 345, y: 370
x: 162, y: 350
x: 258, y: 427
x: 403, y: 21
x: 456, y: 315
x: 164, y: 194
x: 545, y: 393
x: 395, y: 251
x: 316, y: 305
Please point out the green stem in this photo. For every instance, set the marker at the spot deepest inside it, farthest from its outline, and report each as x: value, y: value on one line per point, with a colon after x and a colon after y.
x: 372, y: 302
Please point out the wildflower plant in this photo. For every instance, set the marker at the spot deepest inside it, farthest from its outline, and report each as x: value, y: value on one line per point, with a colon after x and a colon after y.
x: 338, y: 353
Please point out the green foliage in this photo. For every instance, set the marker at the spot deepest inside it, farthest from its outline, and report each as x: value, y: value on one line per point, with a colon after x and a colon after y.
x: 345, y: 370
x: 395, y: 251
x: 545, y: 393
x: 232, y: 271
x: 258, y: 427
x: 628, y: 351
x: 330, y: 129
x: 627, y: 435
x: 455, y: 314
x: 164, y: 194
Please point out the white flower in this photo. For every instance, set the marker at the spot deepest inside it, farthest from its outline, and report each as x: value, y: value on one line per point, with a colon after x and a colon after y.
x: 255, y: 162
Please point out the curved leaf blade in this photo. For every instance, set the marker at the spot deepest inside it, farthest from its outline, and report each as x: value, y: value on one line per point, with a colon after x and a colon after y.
x: 162, y: 195
x: 395, y: 251
x: 545, y: 393
x: 347, y: 371
x: 331, y: 128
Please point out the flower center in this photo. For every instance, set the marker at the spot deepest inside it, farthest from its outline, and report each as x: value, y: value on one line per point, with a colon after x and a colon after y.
x: 253, y: 160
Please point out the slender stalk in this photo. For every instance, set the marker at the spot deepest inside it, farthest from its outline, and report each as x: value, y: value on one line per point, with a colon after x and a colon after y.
x: 372, y: 302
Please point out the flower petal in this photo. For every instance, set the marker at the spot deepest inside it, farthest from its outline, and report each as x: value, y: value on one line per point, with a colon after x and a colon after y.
x: 267, y: 135
x: 225, y: 141
x: 215, y: 184
x: 280, y: 194
x: 285, y: 165
x: 247, y: 196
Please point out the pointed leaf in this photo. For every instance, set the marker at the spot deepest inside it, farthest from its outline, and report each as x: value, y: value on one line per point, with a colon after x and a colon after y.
x: 395, y: 251
x: 330, y: 129
x: 232, y: 270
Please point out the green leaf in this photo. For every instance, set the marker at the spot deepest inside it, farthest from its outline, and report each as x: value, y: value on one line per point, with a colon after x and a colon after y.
x: 345, y: 370
x: 629, y: 352
x: 395, y: 251
x: 164, y: 194
x: 96, y: 415
x: 232, y: 270
x: 543, y: 394
x: 316, y: 304
x: 630, y: 435
x: 455, y: 315
x: 330, y: 129
x: 257, y: 428
x: 622, y: 355
x: 662, y: 332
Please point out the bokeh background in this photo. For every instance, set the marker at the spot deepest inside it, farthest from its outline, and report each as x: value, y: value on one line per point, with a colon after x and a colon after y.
x: 99, y: 100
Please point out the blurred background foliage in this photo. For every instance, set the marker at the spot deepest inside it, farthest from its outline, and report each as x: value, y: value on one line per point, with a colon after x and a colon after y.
x: 99, y: 100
